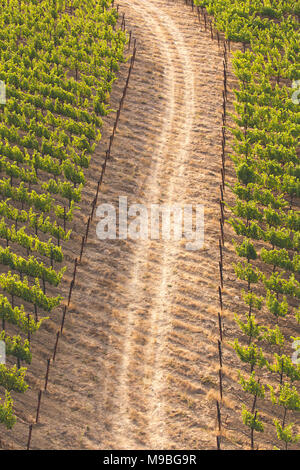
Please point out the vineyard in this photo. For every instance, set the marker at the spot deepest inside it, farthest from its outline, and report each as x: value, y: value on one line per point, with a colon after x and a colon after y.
x: 263, y: 129
x: 142, y: 344
x: 59, y: 60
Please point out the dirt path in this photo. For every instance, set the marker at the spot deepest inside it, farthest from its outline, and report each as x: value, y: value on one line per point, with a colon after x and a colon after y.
x: 158, y: 278
x: 138, y: 364
x: 166, y: 171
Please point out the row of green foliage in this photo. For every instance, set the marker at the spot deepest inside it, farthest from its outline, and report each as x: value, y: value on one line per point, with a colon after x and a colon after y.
x: 59, y: 60
x: 265, y: 138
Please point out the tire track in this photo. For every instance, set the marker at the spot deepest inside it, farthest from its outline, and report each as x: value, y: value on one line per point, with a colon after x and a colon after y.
x: 173, y: 51
x: 135, y: 288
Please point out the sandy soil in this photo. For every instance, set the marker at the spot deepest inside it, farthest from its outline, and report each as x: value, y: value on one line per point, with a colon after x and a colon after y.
x: 138, y: 363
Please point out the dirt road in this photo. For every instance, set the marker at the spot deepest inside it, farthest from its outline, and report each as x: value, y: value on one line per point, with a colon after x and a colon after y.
x: 158, y: 377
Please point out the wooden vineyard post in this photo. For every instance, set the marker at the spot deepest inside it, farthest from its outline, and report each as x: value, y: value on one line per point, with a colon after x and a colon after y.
x: 110, y: 143
x: 225, y: 78
x: 221, y: 193
x: 221, y: 274
x: 29, y: 437
x: 55, y: 346
x: 38, y: 406
x: 28, y: 327
x: 47, y: 373
x: 222, y: 232
x: 64, y: 219
x: 223, y: 178
x: 123, y: 22
x: 81, y: 250
x: 218, y: 415
x: 220, y: 353
x: 221, y: 383
x: 63, y: 319
x: 75, y: 269
x: 220, y: 326
x: 222, y: 211
x: 221, y: 251
x: 98, y: 187
x: 70, y: 292
x: 93, y: 207
x: 220, y: 299
x: 87, y: 229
